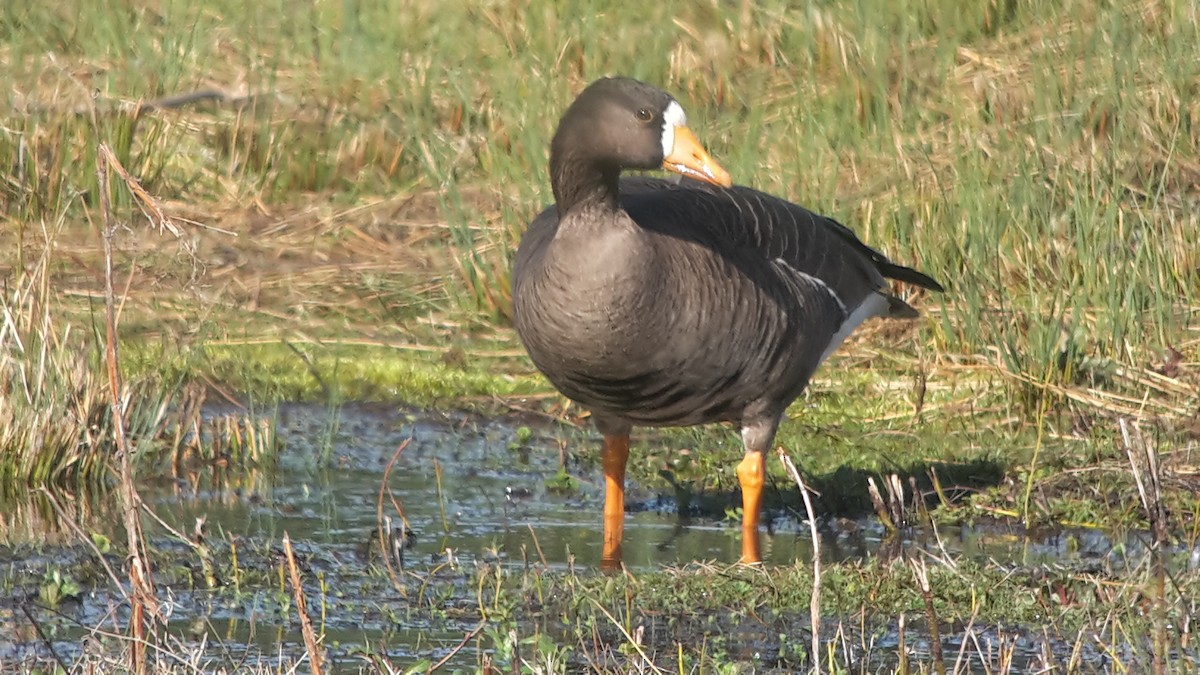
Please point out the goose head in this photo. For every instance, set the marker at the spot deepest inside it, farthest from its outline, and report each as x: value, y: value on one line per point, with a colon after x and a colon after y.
x: 620, y: 123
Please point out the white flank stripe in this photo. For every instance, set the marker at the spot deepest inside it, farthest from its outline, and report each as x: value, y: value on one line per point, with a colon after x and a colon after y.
x: 814, y: 281
x: 874, y: 305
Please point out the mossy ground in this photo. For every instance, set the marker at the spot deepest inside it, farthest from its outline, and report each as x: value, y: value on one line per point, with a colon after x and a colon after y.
x: 701, y: 615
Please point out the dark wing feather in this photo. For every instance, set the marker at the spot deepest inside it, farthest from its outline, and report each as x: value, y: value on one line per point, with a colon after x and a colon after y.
x: 754, y: 228
x: 751, y: 223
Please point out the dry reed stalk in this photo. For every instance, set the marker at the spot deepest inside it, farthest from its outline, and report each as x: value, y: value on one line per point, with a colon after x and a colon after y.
x: 70, y: 522
x: 538, y: 547
x: 881, y: 507
x: 45, y: 639
x: 143, y: 598
x: 474, y: 632
x: 1143, y: 464
x: 310, y: 636
x: 814, y: 605
x: 635, y: 642
x: 921, y: 572
x: 892, y: 511
x: 384, y: 531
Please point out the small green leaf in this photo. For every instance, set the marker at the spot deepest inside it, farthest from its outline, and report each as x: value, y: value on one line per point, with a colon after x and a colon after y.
x: 103, y: 544
x: 421, y: 666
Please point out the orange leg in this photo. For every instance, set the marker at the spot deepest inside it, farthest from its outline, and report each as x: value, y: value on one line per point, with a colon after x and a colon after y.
x: 616, y: 454
x: 750, y: 474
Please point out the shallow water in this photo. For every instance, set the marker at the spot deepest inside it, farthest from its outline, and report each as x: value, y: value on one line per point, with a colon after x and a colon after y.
x: 491, y: 504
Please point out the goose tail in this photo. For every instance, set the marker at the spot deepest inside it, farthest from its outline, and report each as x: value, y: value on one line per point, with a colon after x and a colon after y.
x: 908, y: 275
x: 899, y: 309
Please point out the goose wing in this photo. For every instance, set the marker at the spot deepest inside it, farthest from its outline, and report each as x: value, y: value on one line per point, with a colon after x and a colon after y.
x: 752, y: 228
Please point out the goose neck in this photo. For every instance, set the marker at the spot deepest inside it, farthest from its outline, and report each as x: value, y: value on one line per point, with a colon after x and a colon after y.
x: 581, y: 182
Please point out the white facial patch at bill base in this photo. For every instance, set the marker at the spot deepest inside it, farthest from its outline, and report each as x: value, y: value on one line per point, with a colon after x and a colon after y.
x: 673, y: 117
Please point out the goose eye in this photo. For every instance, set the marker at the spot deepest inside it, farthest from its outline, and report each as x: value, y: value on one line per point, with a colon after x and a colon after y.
x: 644, y: 115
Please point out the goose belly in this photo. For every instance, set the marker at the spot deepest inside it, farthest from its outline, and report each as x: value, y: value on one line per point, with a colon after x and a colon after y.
x: 674, y: 363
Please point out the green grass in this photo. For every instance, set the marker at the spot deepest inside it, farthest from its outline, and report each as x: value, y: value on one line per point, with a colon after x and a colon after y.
x: 281, y: 370
x: 1040, y: 159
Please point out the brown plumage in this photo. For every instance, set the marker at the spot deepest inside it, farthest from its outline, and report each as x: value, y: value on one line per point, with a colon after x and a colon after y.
x: 674, y: 303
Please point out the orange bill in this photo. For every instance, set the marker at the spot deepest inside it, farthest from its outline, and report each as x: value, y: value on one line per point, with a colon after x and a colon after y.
x: 690, y: 159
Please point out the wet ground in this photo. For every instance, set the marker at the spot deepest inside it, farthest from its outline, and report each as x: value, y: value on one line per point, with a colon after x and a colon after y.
x: 477, y: 492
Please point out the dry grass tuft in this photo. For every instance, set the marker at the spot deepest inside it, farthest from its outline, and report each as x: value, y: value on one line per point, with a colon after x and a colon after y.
x: 55, y: 424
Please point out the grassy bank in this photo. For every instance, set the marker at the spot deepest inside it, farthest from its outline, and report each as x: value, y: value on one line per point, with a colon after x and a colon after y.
x: 368, y: 167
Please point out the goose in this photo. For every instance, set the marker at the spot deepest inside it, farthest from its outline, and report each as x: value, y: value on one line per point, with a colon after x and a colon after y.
x: 685, y: 301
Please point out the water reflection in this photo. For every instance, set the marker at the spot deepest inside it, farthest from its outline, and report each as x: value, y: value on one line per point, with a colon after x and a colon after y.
x: 469, y: 485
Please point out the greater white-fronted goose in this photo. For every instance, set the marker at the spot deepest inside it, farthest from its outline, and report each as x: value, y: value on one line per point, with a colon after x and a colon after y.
x: 674, y: 303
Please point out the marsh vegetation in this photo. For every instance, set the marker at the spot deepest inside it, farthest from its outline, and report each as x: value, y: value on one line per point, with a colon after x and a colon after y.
x: 320, y: 204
